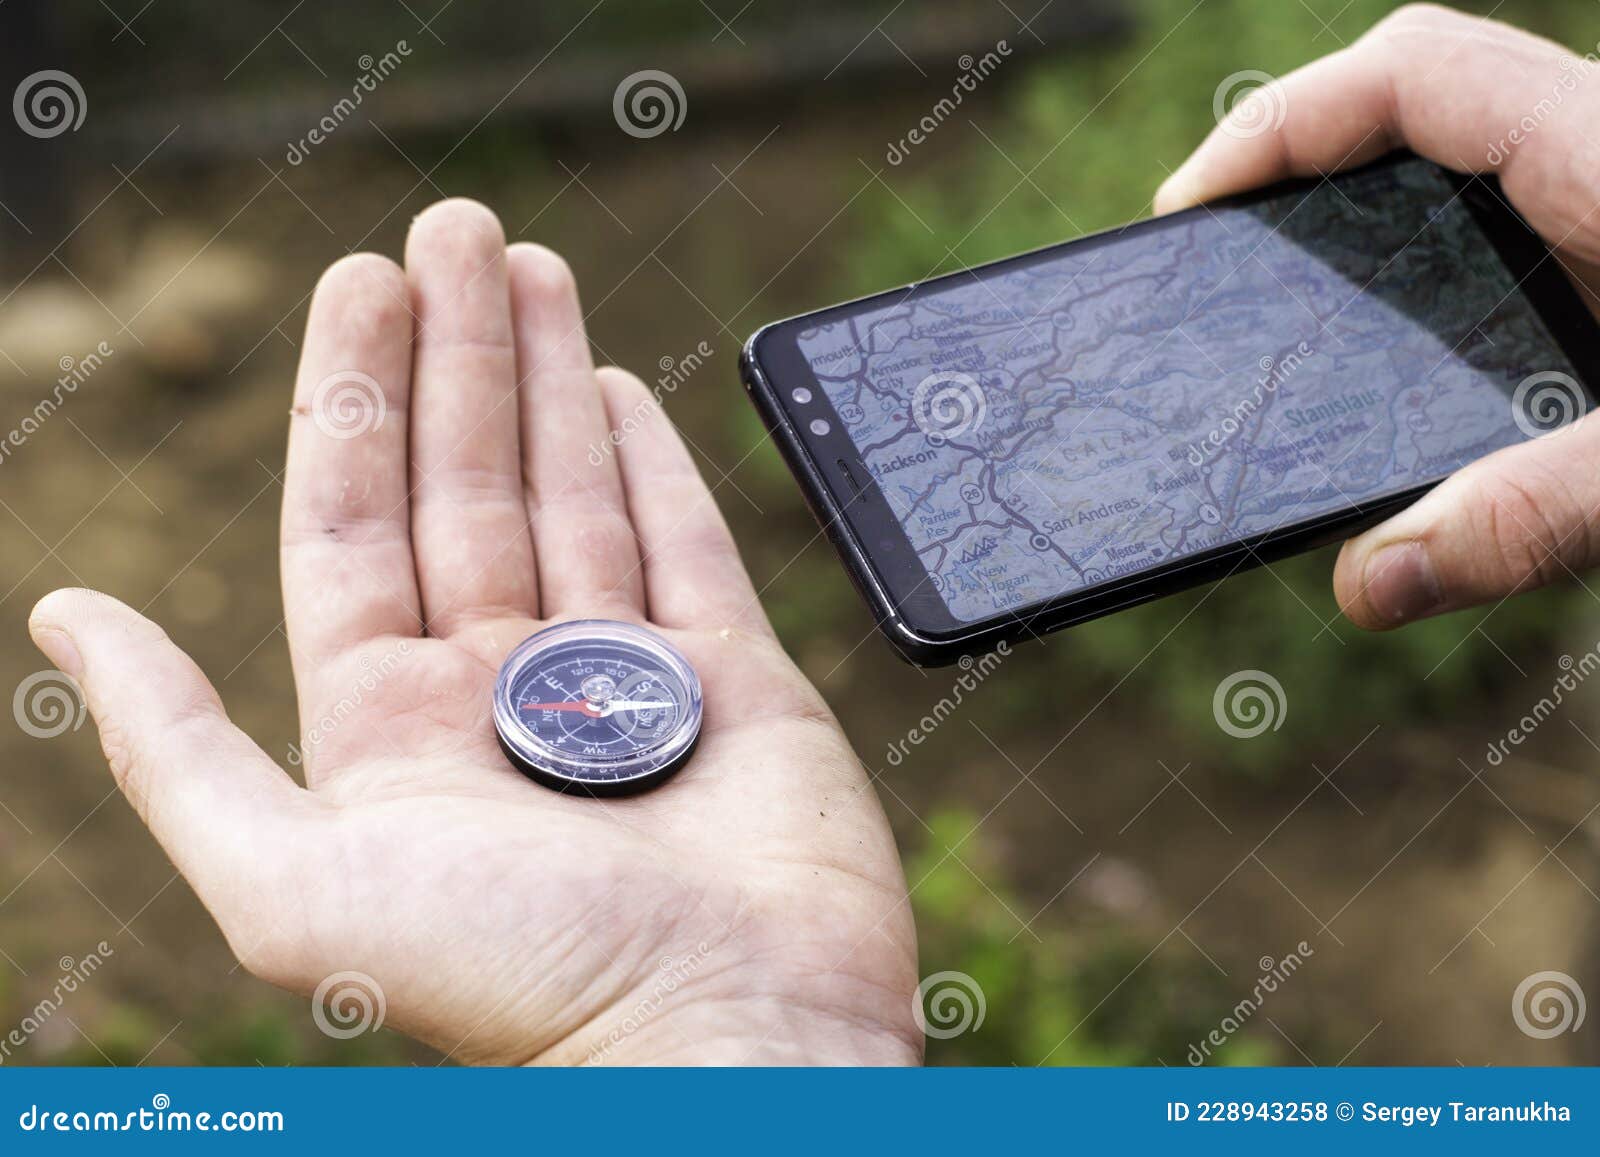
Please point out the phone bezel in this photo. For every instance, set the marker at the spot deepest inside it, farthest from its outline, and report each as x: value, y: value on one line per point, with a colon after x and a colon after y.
x: 879, y: 555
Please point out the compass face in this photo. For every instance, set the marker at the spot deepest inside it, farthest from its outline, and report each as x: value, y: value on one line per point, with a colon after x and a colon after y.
x: 597, y: 707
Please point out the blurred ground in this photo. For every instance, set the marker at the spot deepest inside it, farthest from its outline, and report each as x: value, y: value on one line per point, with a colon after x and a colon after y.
x: 1082, y: 839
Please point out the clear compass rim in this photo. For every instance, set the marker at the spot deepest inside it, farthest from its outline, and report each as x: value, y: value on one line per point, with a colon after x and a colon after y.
x: 549, y: 765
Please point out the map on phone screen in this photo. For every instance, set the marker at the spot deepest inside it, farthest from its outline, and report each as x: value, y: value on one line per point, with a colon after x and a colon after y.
x: 1052, y: 424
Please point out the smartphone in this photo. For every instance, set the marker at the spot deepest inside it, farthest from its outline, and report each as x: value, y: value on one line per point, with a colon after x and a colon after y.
x: 1025, y: 445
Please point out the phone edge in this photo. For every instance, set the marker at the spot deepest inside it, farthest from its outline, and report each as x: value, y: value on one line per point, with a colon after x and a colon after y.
x: 1223, y: 561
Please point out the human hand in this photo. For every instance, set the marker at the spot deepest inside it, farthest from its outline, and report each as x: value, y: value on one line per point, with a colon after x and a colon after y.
x: 1463, y: 92
x: 503, y: 922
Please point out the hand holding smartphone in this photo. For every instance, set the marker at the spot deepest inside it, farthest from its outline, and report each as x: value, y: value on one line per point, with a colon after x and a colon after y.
x: 1029, y: 444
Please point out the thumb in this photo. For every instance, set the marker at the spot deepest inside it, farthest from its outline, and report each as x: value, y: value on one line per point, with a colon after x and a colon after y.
x: 210, y: 795
x: 1511, y: 522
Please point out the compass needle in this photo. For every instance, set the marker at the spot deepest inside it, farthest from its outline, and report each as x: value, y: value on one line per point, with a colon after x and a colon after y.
x: 597, y: 707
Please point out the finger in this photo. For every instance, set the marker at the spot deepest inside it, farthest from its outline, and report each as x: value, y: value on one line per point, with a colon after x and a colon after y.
x: 346, y: 544
x: 469, y: 524
x: 585, y: 546
x: 1516, y: 520
x: 692, y: 571
x: 1457, y: 89
x: 218, y: 805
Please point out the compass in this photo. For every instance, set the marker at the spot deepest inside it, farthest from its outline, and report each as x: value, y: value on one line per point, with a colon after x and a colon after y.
x: 596, y: 707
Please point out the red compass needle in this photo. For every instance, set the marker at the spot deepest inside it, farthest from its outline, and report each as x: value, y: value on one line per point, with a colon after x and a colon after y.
x: 583, y: 705
x: 631, y: 705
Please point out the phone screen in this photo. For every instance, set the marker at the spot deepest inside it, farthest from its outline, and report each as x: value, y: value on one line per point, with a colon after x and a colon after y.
x: 1069, y: 417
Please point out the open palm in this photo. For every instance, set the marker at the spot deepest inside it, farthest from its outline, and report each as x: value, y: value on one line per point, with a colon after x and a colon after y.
x: 459, y: 476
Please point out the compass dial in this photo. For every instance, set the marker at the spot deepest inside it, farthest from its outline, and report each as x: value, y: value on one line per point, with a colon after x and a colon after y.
x: 597, y: 707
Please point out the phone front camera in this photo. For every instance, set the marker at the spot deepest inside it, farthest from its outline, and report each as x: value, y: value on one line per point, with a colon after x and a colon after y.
x: 819, y: 427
